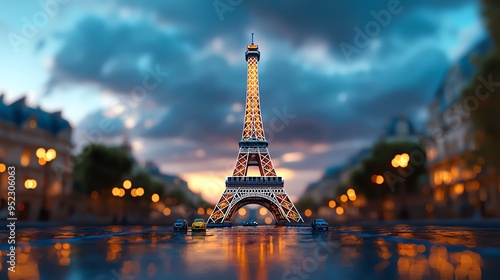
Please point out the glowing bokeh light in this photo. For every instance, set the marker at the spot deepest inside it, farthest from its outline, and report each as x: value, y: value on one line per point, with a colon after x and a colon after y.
x: 127, y: 184
x: 308, y: 212
x: 140, y: 191
x: 332, y: 204
x: 166, y: 211
x: 50, y: 155
x: 242, y: 212
x: 40, y: 153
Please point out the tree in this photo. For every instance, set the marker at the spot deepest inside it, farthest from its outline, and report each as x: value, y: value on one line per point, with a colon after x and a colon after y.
x: 150, y: 186
x: 483, y: 95
x: 394, y: 180
x: 99, y: 167
x: 491, y: 12
x: 180, y: 196
x: 307, y: 202
x: 380, y: 174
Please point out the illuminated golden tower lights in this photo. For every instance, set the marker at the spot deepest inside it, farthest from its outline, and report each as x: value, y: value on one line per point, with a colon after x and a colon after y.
x: 253, y: 151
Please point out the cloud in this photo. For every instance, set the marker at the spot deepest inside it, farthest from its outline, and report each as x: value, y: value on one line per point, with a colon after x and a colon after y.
x: 195, y: 101
x: 302, y: 75
x: 114, y: 56
x: 298, y: 21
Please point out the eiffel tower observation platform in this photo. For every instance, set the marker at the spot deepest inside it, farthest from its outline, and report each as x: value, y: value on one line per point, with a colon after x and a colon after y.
x: 238, y: 181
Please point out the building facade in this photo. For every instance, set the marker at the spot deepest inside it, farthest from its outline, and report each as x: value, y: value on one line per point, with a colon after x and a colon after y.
x: 462, y: 185
x: 38, y: 144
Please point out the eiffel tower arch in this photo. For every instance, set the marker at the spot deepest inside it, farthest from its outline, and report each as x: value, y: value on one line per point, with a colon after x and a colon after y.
x: 267, y: 189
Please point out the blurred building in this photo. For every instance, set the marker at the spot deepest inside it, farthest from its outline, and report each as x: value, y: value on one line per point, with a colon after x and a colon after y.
x: 38, y: 144
x: 398, y: 129
x: 172, y: 182
x: 462, y: 185
x: 401, y: 129
x: 326, y: 187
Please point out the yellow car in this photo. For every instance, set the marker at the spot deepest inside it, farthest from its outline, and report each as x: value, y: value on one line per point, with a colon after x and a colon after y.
x: 198, y: 224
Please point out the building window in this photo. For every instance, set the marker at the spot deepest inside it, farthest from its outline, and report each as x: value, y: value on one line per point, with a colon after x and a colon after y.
x: 431, y: 153
x: 56, y: 188
x: 438, y: 180
x: 457, y: 190
x: 439, y: 194
x: 3, y: 184
x: 25, y: 158
x: 32, y: 123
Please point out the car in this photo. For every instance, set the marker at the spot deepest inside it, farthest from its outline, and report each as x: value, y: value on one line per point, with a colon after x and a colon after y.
x: 180, y: 225
x: 319, y: 224
x: 251, y: 223
x: 198, y: 224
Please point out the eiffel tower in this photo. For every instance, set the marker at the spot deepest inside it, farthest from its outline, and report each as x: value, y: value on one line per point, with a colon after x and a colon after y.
x: 267, y: 189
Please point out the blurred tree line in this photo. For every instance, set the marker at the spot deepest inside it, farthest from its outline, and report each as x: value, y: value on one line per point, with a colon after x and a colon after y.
x: 484, y: 89
x: 101, y: 168
x: 396, y: 180
x: 485, y: 119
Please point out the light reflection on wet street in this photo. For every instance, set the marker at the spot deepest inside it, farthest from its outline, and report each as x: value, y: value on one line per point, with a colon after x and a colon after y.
x: 264, y: 252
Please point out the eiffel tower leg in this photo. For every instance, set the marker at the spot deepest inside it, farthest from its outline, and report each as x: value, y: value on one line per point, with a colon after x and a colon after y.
x: 274, y: 198
x: 221, y: 208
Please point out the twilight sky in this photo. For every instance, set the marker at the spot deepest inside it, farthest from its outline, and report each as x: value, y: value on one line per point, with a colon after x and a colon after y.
x: 171, y: 74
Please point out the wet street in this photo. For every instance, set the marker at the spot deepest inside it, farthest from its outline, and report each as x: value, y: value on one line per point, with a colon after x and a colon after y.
x: 263, y: 252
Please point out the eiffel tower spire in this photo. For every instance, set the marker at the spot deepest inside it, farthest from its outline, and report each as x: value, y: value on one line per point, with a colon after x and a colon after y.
x: 252, y: 128
x: 253, y: 144
x: 267, y: 189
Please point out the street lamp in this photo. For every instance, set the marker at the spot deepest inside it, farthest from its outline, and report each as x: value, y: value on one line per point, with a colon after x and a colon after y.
x: 401, y: 161
x: 351, y: 194
x: 332, y: 204
x: 140, y: 191
x: 378, y: 179
x: 30, y: 184
x: 45, y: 157
x: 127, y: 184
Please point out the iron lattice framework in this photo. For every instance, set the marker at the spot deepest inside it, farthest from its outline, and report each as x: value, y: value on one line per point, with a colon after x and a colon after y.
x: 267, y: 189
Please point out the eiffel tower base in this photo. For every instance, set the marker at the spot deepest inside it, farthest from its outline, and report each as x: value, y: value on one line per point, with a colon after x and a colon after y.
x: 265, y: 191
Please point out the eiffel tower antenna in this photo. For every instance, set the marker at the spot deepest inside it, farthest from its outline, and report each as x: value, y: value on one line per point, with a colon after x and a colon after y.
x: 267, y: 189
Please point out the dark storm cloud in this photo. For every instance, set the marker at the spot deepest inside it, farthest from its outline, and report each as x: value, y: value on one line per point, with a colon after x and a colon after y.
x: 195, y: 101
x: 116, y: 56
x: 97, y: 126
x: 297, y: 21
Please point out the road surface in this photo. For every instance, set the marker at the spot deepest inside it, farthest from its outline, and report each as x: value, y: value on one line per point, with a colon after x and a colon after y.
x: 263, y: 252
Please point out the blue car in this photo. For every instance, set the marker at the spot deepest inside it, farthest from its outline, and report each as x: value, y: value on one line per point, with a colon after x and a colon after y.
x: 319, y: 224
x: 180, y: 225
x: 251, y: 223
